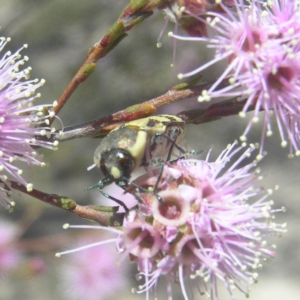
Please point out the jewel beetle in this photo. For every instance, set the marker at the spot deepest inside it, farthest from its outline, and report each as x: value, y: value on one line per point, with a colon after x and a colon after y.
x: 137, y: 143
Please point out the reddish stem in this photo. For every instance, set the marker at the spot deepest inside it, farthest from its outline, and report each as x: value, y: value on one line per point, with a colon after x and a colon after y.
x: 103, y: 126
x: 133, y: 14
x: 106, y: 216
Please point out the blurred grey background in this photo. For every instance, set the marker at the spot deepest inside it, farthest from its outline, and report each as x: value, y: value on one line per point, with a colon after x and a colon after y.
x: 59, y: 34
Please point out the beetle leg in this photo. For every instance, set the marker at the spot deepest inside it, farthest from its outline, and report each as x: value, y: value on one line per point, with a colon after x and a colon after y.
x: 173, y: 142
x: 100, y: 185
x: 121, y: 203
x: 146, y: 191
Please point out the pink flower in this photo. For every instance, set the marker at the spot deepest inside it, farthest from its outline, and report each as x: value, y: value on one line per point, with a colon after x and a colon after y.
x: 211, y: 226
x: 261, y: 45
x: 93, y: 274
x: 184, y: 13
x: 23, y: 125
x: 10, y: 256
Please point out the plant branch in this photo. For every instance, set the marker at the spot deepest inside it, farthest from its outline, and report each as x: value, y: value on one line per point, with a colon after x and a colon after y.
x: 103, y: 126
x: 215, y: 111
x: 106, y: 216
x: 136, y: 12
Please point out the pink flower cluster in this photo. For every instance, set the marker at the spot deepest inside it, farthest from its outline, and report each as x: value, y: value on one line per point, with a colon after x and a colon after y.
x: 93, y: 274
x: 10, y: 254
x: 261, y: 43
x: 185, y: 12
x: 201, y: 223
x: 210, y: 227
x: 23, y: 126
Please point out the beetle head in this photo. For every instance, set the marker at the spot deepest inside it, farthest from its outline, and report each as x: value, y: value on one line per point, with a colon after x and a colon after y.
x: 117, y: 165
